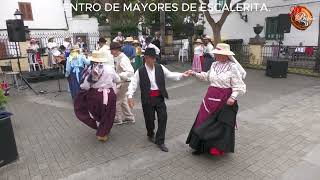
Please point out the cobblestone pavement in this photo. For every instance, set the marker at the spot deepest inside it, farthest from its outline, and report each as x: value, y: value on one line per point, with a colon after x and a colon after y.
x: 278, y: 136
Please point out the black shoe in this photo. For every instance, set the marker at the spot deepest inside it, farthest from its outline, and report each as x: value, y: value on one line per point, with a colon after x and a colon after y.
x: 163, y: 148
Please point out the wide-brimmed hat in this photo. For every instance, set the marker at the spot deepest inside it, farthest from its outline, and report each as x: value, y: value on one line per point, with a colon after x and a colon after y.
x: 135, y: 42
x: 115, y: 45
x: 75, y: 48
x: 150, y: 52
x: 198, y: 41
x: 128, y: 39
x: 98, y: 56
x: 223, y: 49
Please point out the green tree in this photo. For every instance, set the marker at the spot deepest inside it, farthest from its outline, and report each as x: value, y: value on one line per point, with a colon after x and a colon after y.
x: 128, y: 19
x: 176, y: 17
x: 217, y: 25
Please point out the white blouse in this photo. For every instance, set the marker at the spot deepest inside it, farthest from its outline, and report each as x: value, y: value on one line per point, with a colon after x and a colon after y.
x: 107, y: 80
x: 224, y: 75
x: 208, y: 49
x: 198, y: 50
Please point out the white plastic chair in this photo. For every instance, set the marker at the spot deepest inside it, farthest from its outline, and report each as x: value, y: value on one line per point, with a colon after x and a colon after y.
x: 184, y: 51
x: 32, y: 60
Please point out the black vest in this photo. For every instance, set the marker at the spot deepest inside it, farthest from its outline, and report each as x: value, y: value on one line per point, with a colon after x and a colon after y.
x: 145, y: 84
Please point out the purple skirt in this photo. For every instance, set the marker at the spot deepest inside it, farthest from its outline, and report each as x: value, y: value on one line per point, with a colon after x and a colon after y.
x: 92, y: 101
x: 212, y: 102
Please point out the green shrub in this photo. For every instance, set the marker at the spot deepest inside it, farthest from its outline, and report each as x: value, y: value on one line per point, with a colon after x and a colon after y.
x: 128, y: 30
x: 3, y: 98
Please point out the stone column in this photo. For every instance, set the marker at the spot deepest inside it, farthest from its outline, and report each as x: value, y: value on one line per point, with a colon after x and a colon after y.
x: 256, y: 46
x: 255, y: 54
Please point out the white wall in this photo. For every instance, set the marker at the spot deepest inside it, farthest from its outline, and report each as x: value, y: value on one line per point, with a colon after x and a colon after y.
x: 83, y: 24
x: 47, y: 14
x: 236, y: 28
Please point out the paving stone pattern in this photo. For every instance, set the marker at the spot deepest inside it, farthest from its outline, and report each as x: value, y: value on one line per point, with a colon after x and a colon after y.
x: 278, y: 126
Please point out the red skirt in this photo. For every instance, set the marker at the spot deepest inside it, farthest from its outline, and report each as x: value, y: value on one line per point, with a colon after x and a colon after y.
x: 92, y: 101
x: 212, y: 102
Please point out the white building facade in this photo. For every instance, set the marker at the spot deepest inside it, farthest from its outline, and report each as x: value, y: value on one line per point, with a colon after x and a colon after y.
x: 47, y: 16
x: 237, y: 28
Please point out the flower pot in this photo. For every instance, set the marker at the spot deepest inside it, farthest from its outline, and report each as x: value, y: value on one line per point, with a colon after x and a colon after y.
x: 8, y: 150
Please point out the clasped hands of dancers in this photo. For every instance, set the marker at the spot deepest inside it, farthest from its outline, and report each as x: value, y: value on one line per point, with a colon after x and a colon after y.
x: 214, y: 128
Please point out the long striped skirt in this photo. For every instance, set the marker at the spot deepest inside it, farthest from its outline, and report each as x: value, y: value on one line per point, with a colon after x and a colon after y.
x: 196, y: 63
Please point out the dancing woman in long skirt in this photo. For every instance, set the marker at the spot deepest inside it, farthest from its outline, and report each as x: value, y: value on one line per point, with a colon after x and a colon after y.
x: 75, y: 64
x: 213, y: 129
x: 95, y: 105
x: 198, y: 54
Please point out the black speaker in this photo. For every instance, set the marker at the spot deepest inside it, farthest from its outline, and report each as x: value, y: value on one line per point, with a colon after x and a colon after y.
x: 284, y: 25
x: 16, y: 30
x: 277, y: 69
x: 8, y: 150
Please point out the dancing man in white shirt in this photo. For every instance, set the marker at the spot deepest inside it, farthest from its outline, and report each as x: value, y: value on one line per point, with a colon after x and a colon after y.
x: 151, y: 79
x: 125, y: 70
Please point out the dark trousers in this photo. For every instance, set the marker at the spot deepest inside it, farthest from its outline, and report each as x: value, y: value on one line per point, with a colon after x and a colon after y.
x: 158, y: 105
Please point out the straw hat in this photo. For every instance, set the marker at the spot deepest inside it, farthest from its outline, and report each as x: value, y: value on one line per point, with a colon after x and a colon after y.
x: 129, y: 39
x: 198, y: 41
x: 97, y: 56
x: 75, y: 48
x: 223, y: 49
x: 135, y: 42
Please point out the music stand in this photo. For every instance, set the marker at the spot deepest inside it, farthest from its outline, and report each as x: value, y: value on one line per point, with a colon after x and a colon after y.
x: 59, y: 84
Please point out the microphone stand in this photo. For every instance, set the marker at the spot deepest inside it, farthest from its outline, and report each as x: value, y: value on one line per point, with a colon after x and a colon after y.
x: 19, y: 66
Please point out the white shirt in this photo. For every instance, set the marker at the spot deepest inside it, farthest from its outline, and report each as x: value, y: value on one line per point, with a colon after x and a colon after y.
x: 300, y: 49
x: 119, y: 39
x: 34, y: 47
x: 150, y: 45
x: 208, y: 49
x: 135, y: 80
x: 51, y: 45
x: 124, y: 67
x: 225, y: 75
x: 198, y: 50
x: 67, y: 45
x: 105, y: 49
x: 142, y: 42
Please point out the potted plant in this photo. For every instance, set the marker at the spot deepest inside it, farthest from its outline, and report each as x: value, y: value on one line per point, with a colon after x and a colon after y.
x: 3, y: 100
